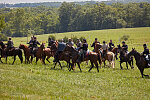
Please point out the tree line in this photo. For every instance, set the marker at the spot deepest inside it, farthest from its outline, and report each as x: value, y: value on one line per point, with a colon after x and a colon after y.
x: 74, y: 17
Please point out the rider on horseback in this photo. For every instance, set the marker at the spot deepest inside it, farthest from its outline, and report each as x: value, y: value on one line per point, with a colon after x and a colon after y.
x: 70, y: 43
x: 93, y: 45
x: 146, y: 54
x: 111, y: 45
x: 61, y: 47
x: 10, y: 45
x: 105, y: 49
x: 33, y: 45
x: 78, y: 44
x: 125, y: 47
x: 50, y: 42
x: 83, y: 51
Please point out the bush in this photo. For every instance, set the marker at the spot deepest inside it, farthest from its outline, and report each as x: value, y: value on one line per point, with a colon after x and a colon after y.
x: 52, y: 37
x: 124, y: 37
x: 3, y: 37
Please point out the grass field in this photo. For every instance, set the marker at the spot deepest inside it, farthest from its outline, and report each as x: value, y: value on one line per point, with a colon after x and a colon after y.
x: 31, y: 81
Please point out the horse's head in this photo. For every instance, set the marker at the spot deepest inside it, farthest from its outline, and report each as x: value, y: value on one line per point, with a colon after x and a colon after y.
x: 132, y: 52
x: 21, y: 46
x: 42, y: 46
x: 70, y: 49
x: 54, y: 47
x: 2, y: 45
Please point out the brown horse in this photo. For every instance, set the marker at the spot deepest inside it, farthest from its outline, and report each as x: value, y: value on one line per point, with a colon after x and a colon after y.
x: 92, y: 56
x: 13, y: 52
x: 39, y: 53
x: 27, y: 53
x: 140, y: 61
x: 115, y: 51
x: 124, y: 58
x: 48, y: 53
x: 110, y: 56
x: 63, y: 56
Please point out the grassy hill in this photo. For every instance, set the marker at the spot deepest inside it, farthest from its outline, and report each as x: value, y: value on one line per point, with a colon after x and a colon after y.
x: 31, y: 81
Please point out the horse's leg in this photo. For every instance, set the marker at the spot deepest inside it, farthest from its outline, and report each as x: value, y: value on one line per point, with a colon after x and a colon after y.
x: 79, y: 67
x: 1, y: 59
x: 6, y: 60
x: 91, y: 66
x: 60, y: 64
x: 96, y: 64
x: 55, y: 65
x: 21, y: 58
x: 127, y: 65
x: 48, y: 58
x: 120, y: 65
x: 14, y: 60
x: 141, y: 70
x: 37, y: 59
x: 31, y: 59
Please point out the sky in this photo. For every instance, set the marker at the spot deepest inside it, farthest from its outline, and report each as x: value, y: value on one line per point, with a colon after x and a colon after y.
x: 37, y: 1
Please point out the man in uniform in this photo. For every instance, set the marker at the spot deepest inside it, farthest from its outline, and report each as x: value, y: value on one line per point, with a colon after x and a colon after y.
x: 146, y: 54
x: 10, y: 45
x: 61, y: 47
x: 93, y: 45
x: 50, y: 42
x: 70, y: 43
x: 105, y: 49
x: 78, y: 44
x: 125, y: 47
x: 84, y: 51
x: 111, y: 45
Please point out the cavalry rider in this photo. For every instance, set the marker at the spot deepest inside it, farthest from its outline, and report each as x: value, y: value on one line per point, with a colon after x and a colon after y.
x: 146, y: 54
x: 70, y: 43
x: 10, y: 45
x: 105, y: 49
x: 78, y: 44
x: 125, y: 47
x: 33, y: 44
x: 93, y: 45
x: 50, y: 42
x: 111, y: 45
x: 61, y: 47
x: 84, y: 50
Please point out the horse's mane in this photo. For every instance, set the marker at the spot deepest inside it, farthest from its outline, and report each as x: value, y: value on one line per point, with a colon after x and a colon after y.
x: 2, y: 44
x: 24, y: 45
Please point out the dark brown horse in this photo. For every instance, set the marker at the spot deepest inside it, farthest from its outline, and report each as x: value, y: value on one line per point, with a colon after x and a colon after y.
x: 39, y: 53
x: 140, y: 61
x: 13, y: 52
x: 124, y: 58
x: 63, y: 56
x: 115, y: 51
x: 92, y: 56
x: 110, y: 56
x: 27, y: 53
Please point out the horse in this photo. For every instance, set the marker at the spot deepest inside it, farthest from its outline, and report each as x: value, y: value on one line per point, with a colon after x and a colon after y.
x: 39, y: 53
x: 124, y: 58
x: 92, y: 56
x: 48, y: 53
x: 140, y: 61
x: 115, y: 51
x: 13, y: 52
x: 110, y: 56
x: 63, y: 56
x: 27, y: 53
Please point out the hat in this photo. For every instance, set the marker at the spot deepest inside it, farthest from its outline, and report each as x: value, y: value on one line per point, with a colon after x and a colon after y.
x: 144, y: 45
x: 123, y: 41
x: 84, y: 40
x: 95, y: 38
x: 104, y: 42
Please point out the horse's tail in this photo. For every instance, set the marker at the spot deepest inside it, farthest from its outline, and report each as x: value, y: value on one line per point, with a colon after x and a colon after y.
x: 20, y: 55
